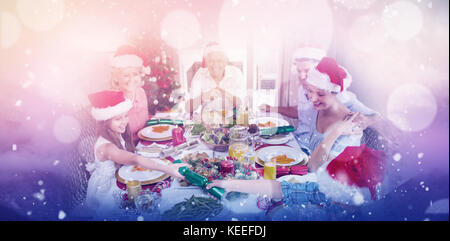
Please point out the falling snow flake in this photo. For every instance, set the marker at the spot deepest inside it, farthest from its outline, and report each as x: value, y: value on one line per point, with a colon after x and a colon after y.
x: 61, y: 215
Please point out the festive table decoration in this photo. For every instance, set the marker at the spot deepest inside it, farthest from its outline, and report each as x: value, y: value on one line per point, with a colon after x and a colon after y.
x: 210, y: 167
x: 200, y: 181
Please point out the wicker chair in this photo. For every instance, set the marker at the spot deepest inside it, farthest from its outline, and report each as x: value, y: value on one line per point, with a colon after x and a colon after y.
x: 76, y: 182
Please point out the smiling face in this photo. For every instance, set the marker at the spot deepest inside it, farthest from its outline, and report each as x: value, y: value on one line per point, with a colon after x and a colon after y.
x: 118, y: 123
x: 216, y: 63
x: 320, y: 98
x: 127, y: 79
x: 303, y: 67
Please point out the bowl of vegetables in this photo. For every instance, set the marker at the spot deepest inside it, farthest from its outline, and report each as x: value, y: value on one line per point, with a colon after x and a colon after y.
x: 216, y: 139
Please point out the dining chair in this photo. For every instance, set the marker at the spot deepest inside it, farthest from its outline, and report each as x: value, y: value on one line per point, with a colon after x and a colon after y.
x: 77, y: 180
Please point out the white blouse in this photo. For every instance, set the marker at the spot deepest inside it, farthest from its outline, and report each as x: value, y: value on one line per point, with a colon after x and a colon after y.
x: 233, y: 82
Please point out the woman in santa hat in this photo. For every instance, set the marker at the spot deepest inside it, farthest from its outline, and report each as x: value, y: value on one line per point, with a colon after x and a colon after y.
x: 128, y: 67
x: 332, y: 128
x: 114, y: 148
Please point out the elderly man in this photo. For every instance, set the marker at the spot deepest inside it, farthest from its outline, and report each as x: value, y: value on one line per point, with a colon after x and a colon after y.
x: 217, y: 86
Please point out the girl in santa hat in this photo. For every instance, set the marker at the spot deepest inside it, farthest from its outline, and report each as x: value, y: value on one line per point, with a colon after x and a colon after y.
x: 114, y: 148
x: 128, y: 67
x: 332, y: 128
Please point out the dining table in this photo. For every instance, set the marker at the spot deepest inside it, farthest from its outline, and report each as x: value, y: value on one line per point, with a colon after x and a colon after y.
x: 171, y: 191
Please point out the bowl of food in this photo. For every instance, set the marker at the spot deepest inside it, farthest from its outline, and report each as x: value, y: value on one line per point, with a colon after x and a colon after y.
x: 216, y: 139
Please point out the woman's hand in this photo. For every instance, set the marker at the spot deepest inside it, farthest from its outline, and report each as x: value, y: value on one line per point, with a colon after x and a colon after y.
x: 349, y: 126
x: 363, y: 121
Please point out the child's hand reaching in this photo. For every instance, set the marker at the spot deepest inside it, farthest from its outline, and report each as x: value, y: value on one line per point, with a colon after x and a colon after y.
x: 218, y: 183
x: 172, y: 170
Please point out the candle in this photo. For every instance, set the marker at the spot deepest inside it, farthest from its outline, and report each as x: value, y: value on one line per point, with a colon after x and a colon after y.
x: 227, y: 166
x: 134, y: 189
x: 177, y: 136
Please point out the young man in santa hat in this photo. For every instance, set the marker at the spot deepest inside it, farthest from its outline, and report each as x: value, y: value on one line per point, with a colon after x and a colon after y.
x: 333, y: 128
x: 128, y: 67
x: 114, y: 148
x: 217, y: 85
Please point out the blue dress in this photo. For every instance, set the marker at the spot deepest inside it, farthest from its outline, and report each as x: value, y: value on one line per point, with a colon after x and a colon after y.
x: 309, y: 137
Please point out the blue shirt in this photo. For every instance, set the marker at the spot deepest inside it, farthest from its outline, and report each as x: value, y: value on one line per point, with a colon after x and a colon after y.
x: 307, y: 134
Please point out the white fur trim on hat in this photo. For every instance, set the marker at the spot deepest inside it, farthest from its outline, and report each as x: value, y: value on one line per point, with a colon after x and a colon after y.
x: 322, y: 81
x: 124, y: 61
x: 102, y: 114
x: 309, y: 53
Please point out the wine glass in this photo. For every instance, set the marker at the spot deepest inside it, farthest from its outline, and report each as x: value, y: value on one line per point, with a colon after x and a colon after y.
x: 188, y: 126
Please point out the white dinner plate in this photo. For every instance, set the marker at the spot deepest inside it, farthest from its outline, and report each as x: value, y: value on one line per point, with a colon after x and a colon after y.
x: 149, y: 133
x: 266, y: 153
x: 277, y: 139
x: 126, y: 173
x: 266, y: 119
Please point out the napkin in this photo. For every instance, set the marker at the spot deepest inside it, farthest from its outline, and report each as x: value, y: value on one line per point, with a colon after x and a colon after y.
x: 299, y: 170
x: 284, y: 170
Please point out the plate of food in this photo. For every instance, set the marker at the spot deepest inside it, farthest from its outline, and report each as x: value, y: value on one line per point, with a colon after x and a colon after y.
x: 216, y: 139
x: 281, y: 155
x: 311, y: 177
x: 268, y: 122
x: 145, y: 176
x: 161, y: 132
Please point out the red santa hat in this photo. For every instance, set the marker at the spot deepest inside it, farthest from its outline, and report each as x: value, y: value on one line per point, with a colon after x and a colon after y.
x: 107, y: 104
x: 359, y: 166
x: 129, y: 56
x: 308, y: 53
x: 212, y: 47
x: 328, y: 75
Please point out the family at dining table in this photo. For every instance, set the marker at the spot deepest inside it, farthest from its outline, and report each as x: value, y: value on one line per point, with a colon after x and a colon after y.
x: 330, y: 118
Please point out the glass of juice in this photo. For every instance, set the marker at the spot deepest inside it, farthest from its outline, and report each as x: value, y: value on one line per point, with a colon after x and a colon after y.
x: 270, y: 170
x: 238, y: 150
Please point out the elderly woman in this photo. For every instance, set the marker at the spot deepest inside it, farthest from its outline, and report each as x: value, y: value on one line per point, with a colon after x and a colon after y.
x: 332, y: 127
x: 217, y: 85
x: 128, y: 66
